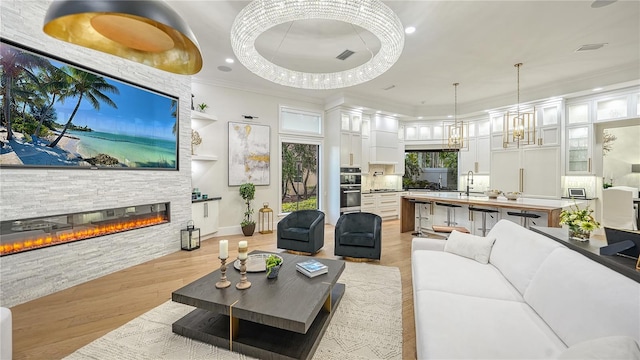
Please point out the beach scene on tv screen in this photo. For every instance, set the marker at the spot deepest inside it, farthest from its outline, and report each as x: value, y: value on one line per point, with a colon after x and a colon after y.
x: 55, y: 114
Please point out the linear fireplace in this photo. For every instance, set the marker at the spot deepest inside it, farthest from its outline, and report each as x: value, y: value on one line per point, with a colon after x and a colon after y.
x: 22, y: 235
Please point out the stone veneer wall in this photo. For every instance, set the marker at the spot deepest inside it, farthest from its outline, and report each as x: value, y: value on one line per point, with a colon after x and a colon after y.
x: 41, y: 192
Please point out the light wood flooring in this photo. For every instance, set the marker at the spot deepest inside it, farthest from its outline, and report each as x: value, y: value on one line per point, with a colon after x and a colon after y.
x: 56, y: 325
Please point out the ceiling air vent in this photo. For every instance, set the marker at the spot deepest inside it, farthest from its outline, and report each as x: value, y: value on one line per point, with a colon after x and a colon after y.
x: 389, y: 87
x: 589, y: 47
x: 345, y: 54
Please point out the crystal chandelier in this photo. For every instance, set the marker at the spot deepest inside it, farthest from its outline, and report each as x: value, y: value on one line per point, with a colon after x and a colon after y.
x: 519, y: 127
x: 456, y: 134
x: 371, y: 15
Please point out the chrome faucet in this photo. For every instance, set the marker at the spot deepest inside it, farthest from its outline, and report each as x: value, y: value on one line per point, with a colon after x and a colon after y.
x: 469, y: 181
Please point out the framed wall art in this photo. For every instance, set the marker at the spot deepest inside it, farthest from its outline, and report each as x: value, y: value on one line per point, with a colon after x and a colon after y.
x: 59, y: 114
x: 249, y: 159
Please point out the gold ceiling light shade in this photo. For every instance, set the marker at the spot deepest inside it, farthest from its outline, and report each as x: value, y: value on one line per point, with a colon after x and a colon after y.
x: 519, y: 127
x: 456, y: 133
x: 145, y: 31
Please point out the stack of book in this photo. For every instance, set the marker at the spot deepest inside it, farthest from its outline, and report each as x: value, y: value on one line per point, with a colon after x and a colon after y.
x: 312, y: 268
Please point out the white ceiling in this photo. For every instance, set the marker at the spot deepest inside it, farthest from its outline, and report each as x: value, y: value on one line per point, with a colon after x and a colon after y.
x: 475, y: 43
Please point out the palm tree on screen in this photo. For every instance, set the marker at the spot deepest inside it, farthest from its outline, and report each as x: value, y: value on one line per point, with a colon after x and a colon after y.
x: 13, y: 63
x: 83, y: 85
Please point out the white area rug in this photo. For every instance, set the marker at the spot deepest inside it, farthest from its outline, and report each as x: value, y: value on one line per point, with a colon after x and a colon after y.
x: 367, y: 325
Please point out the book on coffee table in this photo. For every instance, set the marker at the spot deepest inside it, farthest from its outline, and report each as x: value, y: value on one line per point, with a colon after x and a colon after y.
x: 312, y: 268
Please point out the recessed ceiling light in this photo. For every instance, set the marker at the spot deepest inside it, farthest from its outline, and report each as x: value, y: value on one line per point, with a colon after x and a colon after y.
x: 378, y: 112
x: 596, y: 89
x: 419, y: 117
x: 394, y: 115
x: 229, y: 60
x: 449, y: 116
x: 409, y: 30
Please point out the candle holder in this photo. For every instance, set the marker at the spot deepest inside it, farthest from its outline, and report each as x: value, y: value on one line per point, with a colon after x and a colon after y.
x: 223, y: 283
x: 244, y: 283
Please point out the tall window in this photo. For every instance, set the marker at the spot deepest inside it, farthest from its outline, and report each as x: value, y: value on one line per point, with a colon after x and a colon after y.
x: 300, y: 141
x: 431, y: 169
x: 299, y: 176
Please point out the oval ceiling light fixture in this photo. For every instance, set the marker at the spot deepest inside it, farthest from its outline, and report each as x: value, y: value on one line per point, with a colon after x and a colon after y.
x: 409, y: 30
x: 371, y: 15
x: 144, y: 31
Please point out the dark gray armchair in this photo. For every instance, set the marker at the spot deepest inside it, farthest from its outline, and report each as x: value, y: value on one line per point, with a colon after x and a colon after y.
x: 359, y: 235
x: 302, y: 231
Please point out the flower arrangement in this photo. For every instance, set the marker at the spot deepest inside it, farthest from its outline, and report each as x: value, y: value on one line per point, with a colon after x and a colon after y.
x: 580, y: 221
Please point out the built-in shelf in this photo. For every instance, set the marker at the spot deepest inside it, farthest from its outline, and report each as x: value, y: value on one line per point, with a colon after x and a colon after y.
x: 202, y: 116
x: 204, y: 157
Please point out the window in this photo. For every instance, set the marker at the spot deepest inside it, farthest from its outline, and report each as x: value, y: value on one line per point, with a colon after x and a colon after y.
x: 300, y: 149
x: 431, y: 169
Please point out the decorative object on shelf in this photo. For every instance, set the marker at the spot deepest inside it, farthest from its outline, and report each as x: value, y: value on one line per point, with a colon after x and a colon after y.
x: 243, y: 249
x: 273, y: 263
x: 580, y: 222
x: 456, y: 134
x: 519, y: 127
x: 195, y: 140
x: 202, y: 107
x: 248, y: 192
x: 249, y: 156
x: 605, y: 184
x: 371, y: 15
x: 607, y: 141
x: 148, y: 32
x: 190, y: 237
x: 493, y: 194
x: 266, y: 219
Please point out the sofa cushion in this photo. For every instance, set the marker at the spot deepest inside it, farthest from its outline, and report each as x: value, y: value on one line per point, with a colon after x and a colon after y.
x: 437, y: 270
x: 470, y: 246
x: 295, y: 233
x: 357, y: 239
x: 518, y: 252
x: 582, y: 300
x: 611, y: 347
x: 457, y: 326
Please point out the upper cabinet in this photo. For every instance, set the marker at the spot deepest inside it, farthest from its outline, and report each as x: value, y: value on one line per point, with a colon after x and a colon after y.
x: 351, y: 139
x: 200, y: 135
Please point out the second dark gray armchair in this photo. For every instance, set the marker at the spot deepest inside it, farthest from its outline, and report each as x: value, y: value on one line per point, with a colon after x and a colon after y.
x: 359, y: 235
x: 302, y: 231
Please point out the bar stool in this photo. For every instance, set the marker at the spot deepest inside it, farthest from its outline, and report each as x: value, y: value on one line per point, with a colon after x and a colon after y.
x: 524, y: 217
x: 418, y: 226
x: 451, y: 208
x: 484, y: 217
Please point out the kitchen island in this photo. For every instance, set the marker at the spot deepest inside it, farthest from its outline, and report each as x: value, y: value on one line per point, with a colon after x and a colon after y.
x: 548, y: 209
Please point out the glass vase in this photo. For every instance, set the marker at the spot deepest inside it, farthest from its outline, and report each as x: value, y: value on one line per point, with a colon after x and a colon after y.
x: 576, y: 233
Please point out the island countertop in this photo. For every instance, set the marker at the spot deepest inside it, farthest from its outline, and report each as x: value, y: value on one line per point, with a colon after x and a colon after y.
x: 552, y: 207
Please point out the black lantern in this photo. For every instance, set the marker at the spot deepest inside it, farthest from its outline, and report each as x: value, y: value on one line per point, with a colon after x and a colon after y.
x: 190, y: 237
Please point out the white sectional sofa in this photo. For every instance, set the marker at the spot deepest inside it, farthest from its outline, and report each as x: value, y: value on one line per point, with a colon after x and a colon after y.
x: 534, y: 299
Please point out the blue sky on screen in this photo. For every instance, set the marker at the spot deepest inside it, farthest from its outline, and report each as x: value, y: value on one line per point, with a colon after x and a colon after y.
x: 140, y: 112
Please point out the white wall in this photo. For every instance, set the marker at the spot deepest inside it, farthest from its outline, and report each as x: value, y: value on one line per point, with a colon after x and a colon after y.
x: 625, y: 152
x: 229, y: 105
x: 41, y: 192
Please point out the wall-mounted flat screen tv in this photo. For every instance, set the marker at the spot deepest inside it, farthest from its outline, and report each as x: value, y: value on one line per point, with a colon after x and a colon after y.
x: 59, y: 114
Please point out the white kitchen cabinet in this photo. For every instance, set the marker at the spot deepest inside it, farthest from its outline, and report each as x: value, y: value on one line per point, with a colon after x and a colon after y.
x: 579, y: 150
x: 533, y: 171
x: 548, y: 119
x: 386, y: 204
x: 368, y: 203
x: 384, y: 140
x: 477, y: 157
x: 350, y: 149
x: 351, y: 123
x: 205, y: 216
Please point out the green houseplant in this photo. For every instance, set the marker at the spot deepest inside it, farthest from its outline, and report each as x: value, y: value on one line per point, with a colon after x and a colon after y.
x: 273, y: 263
x: 248, y: 192
x: 202, y: 107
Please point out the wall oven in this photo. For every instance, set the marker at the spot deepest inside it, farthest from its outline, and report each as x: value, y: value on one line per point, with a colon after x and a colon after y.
x: 350, y: 190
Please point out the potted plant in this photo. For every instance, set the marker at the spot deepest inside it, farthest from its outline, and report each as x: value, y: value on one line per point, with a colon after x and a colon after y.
x: 580, y: 221
x: 202, y: 107
x: 273, y: 263
x: 247, y: 192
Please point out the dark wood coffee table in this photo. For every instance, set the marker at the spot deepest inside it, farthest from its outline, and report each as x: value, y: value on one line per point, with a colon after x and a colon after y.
x: 282, y: 318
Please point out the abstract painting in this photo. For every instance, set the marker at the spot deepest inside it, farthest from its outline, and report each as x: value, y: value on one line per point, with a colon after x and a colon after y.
x: 249, y: 159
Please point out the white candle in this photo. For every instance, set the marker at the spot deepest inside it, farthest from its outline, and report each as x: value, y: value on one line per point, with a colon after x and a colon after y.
x: 224, y: 249
x: 242, y: 250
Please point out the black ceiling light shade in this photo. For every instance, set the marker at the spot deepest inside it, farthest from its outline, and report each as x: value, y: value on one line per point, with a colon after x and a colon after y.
x: 144, y: 31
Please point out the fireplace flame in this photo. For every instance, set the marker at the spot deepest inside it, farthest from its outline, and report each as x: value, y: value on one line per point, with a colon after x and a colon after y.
x: 82, y: 234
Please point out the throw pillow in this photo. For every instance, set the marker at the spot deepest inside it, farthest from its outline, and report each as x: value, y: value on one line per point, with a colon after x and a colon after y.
x: 470, y: 246
x: 611, y: 347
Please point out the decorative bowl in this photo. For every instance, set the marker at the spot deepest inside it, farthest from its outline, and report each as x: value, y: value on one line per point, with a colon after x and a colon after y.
x: 493, y: 194
x: 512, y: 195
